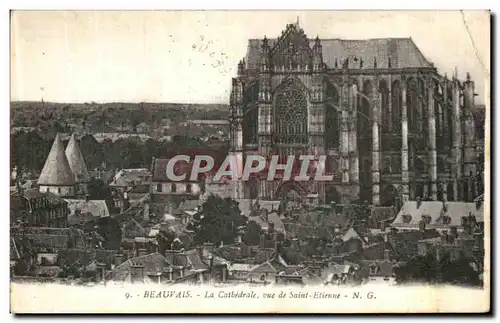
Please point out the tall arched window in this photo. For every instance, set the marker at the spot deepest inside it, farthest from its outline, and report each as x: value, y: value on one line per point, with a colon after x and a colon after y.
x: 385, y: 124
x: 449, y: 118
x: 364, y: 135
x: 290, y: 114
x: 332, y: 127
x: 250, y: 113
x: 396, y: 102
x: 412, y: 105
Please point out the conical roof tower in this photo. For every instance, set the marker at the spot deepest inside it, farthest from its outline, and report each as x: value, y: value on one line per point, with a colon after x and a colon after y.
x: 56, y: 171
x: 76, y: 161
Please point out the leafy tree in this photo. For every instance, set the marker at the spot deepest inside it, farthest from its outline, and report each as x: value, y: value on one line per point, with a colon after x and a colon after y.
x: 164, y: 240
x: 252, y: 234
x: 429, y: 269
x: 98, y: 190
x: 218, y: 221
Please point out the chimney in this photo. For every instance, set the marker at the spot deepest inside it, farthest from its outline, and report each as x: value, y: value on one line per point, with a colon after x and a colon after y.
x: 119, y: 259
x: 262, y: 241
x: 137, y: 273
x: 270, y: 227
x: 207, y: 250
x: 419, y: 202
x: 170, y: 273
x: 421, y: 224
x: 387, y: 257
x: 466, y: 225
x: 146, y: 212
x: 454, y: 231
x: 445, y: 207
x: 444, y: 238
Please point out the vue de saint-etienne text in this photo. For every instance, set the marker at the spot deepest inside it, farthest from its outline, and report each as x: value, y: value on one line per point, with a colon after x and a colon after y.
x: 148, y: 294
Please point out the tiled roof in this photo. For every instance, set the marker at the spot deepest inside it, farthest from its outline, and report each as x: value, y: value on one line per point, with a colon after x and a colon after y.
x: 434, y: 209
x: 152, y: 263
x: 56, y: 170
x: 97, y: 208
x: 76, y: 161
x: 385, y: 269
x: 127, y: 177
x: 271, y: 218
x: 402, y: 52
x: 45, y: 240
x: 376, y: 251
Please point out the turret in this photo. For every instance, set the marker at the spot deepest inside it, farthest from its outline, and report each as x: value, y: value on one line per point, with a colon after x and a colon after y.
x: 317, y: 55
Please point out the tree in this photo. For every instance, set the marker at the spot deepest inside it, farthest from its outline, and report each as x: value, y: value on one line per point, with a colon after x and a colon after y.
x: 164, y: 240
x: 445, y: 270
x: 218, y: 222
x: 98, y: 190
x: 252, y: 233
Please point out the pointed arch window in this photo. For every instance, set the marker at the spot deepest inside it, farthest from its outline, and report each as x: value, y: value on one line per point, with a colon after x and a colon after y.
x: 250, y: 113
x: 290, y: 114
x: 332, y: 120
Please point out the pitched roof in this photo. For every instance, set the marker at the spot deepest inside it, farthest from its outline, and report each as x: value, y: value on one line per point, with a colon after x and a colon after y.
x: 76, y: 161
x: 152, y: 263
x: 45, y: 240
x: 97, y: 208
x: 434, y: 209
x: 126, y: 177
x: 56, y: 170
x: 402, y: 52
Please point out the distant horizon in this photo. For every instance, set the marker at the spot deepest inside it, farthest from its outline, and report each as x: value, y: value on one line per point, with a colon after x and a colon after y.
x: 119, y: 102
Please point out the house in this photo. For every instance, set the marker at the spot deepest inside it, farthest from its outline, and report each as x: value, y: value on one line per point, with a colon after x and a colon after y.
x: 378, y: 271
x: 164, y: 188
x: 82, y: 211
x: 438, y: 215
x: 193, y: 266
x: 131, y: 180
x: 35, y: 208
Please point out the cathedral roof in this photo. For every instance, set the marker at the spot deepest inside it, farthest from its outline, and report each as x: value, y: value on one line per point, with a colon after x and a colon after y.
x: 56, y: 170
x: 402, y: 52
x: 76, y: 161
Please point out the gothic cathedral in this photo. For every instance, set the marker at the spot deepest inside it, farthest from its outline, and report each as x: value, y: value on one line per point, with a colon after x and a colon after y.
x: 392, y: 127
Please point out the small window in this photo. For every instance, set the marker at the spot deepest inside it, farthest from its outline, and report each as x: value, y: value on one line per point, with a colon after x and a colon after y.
x: 59, y: 190
x: 174, y: 188
x: 263, y: 277
x: 406, y: 218
x: 47, y: 190
x: 188, y: 188
x: 159, y: 188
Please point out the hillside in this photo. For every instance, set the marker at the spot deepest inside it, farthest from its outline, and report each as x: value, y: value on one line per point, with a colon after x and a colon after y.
x: 102, y: 117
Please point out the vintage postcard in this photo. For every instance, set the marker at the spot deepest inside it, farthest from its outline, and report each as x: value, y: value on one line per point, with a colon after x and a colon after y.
x: 250, y: 162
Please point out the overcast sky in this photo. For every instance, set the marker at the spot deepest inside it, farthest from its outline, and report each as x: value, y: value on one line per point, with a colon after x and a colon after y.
x: 190, y: 57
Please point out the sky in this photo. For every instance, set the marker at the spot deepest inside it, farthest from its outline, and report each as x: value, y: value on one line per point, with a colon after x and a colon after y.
x: 190, y: 56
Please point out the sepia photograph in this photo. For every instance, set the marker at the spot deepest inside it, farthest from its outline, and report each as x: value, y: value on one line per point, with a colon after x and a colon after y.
x: 250, y: 161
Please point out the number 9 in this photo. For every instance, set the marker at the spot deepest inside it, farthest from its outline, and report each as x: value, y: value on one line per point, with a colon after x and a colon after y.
x: 127, y: 295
